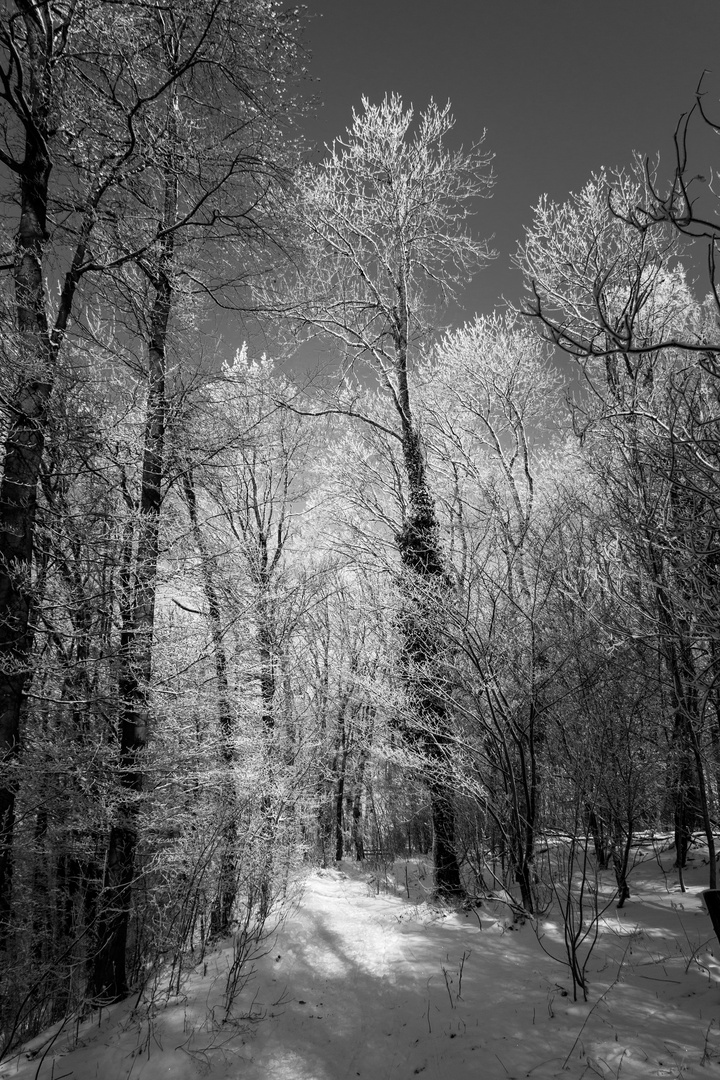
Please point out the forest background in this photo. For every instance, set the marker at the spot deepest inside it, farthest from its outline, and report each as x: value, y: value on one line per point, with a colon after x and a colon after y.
x: 416, y: 597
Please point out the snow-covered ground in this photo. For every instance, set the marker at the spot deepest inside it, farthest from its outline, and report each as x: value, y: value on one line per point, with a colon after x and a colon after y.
x: 360, y: 981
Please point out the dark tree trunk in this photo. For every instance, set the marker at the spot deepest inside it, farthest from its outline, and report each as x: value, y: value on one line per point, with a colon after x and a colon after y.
x: 32, y: 99
x: 621, y: 862
x: 23, y: 452
x: 357, y: 813
x: 221, y: 914
x: 108, y: 982
x: 691, y: 800
x: 447, y: 870
x: 427, y: 586
x: 267, y: 666
x: 339, y: 797
x: 597, y: 831
x: 215, y: 620
x: 109, y: 978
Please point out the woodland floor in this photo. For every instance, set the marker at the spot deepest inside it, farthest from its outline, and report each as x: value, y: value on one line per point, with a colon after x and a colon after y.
x: 361, y: 980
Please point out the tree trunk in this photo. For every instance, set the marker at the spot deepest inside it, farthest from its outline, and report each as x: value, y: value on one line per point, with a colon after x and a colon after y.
x: 339, y: 797
x: 357, y: 809
x: 426, y: 585
x: 691, y: 800
x: 109, y: 978
x: 447, y: 869
x: 596, y: 826
x: 222, y: 910
x: 267, y: 665
x: 23, y: 452
x: 33, y: 100
x: 621, y: 852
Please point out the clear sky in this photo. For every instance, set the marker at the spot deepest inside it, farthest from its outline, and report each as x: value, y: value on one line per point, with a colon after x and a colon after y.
x: 562, y: 86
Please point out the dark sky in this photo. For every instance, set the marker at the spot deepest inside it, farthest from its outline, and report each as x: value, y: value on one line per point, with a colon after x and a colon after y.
x: 562, y: 86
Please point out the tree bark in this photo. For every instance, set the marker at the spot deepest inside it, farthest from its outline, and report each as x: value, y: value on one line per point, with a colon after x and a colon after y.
x: 222, y: 910
x: 26, y: 435
x: 36, y: 53
x: 419, y: 545
x: 109, y: 977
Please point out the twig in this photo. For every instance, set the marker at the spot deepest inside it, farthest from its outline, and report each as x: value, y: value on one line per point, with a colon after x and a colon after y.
x: 502, y: 1063
x: 465, y: 956
x: 447, y: 987
x: 706, y: 1056
x: 601, y: 998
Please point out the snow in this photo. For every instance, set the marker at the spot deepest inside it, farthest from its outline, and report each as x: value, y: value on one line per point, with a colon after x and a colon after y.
x: 366, y: 978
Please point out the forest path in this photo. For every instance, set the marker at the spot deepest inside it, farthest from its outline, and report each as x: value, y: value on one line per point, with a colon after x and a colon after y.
x: 362, y: 981
x: 368, y: 985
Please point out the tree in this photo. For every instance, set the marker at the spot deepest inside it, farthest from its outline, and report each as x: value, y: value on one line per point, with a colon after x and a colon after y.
x: 145, y: 148
x: 384, y: 226
x: 34, y: 89
x: 485, y: 398
x: 605, y: 289
x: 103, y: 109
x: 688, y: 204
x: 591, y: 271
x: 209, y: 202
x: 241, y: 500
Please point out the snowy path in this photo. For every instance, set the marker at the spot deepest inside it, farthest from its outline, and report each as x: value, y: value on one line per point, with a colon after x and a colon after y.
x: 373, y: 990
x: 360, y: 984
x: 368, y: 994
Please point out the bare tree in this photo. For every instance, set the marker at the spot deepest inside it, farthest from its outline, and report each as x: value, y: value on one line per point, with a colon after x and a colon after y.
x: 204, y: 201
x: 384, y: 221
x: 104, y: 111
x: 605, y: 288
x: 485, y: 398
